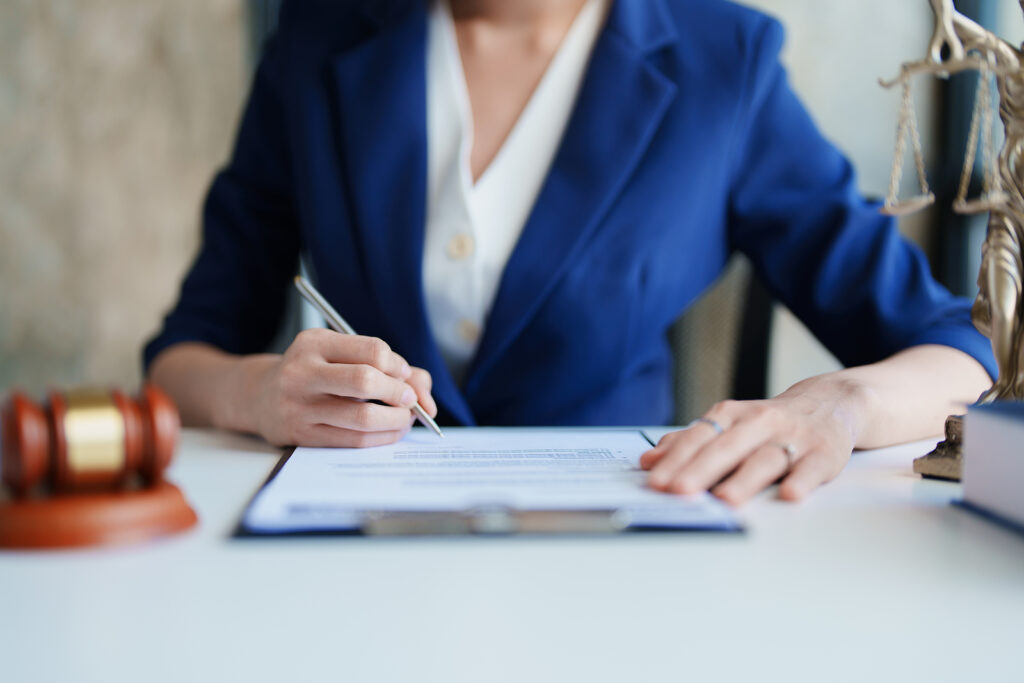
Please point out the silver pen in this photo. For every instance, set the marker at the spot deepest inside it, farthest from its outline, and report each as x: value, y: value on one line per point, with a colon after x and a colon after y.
x: 338, y: 324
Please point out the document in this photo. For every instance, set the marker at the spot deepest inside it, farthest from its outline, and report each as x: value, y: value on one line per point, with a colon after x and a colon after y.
x: 516, y: 469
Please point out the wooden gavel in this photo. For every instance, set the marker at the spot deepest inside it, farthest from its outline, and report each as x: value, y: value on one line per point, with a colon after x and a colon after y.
x: 87, y: 440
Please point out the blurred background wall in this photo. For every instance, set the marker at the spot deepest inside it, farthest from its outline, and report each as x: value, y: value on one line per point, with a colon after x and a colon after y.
x: 114, y: 114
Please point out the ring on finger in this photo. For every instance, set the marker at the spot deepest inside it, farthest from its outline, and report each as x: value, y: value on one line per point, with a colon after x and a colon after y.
x: 790, y: 452
x: 711, y: 423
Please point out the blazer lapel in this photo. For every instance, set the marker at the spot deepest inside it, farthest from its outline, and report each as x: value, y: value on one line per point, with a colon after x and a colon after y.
x: 381, y: 101
x: 620, y: 105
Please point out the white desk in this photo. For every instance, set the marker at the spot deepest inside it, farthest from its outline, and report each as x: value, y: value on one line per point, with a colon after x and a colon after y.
x: 875, y: 577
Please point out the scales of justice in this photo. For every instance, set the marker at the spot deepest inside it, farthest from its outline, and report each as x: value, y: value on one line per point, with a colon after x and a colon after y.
x: 959, y: 44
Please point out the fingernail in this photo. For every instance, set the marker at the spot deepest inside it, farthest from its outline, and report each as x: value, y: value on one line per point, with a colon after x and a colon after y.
x: 408, y: 397
x: 406, y: 370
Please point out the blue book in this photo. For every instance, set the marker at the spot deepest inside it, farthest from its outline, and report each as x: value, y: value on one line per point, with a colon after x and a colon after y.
x: 993, y: 473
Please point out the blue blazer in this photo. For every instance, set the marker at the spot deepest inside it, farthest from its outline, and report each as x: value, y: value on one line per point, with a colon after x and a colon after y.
x: 685, y: 145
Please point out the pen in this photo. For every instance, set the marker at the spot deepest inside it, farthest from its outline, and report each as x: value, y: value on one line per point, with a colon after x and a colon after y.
x: 338, y: 324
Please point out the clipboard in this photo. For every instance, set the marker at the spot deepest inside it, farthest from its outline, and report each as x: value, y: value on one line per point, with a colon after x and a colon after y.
x: 336, y: 518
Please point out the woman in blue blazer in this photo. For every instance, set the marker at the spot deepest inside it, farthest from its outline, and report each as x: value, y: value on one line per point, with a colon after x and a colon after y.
x: 683, y: 144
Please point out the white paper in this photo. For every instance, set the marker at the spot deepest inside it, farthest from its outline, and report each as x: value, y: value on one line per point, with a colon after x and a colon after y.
x: 523, y: 469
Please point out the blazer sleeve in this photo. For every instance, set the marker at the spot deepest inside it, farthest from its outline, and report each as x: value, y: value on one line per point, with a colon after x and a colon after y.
x: 825, y: 252
x: 234, y: 295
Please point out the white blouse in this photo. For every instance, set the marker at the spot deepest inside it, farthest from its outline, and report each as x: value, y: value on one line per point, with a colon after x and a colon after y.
x: 472, y: 227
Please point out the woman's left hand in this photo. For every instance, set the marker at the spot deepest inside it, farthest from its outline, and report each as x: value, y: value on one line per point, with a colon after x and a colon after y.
x: 804, y: 436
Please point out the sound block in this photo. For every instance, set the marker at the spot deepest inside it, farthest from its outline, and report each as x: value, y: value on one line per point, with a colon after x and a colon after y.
x: 95, y: 519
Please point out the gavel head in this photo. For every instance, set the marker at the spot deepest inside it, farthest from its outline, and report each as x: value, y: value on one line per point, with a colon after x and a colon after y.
x: 87, y: 440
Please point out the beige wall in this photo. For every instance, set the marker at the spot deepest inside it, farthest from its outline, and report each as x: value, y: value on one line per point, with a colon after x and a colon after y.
x: 113, y: 116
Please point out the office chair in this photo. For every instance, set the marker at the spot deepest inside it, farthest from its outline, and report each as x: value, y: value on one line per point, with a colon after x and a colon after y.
x: 720, y: 345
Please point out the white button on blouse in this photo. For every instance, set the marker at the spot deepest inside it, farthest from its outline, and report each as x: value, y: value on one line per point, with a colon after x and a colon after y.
x: 472, y: 227
x: 460, y: 247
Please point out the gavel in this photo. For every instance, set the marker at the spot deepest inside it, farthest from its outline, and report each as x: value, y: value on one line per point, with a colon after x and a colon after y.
x: 87, y: 440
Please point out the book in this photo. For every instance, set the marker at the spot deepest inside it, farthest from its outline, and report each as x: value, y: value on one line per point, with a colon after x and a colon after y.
x: 993, y: 475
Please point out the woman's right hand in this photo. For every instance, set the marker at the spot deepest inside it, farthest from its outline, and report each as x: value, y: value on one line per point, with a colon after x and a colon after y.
x: 319, y: 392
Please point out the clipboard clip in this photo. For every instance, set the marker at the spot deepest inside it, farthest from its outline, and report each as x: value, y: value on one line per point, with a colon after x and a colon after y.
x: 493, y: 520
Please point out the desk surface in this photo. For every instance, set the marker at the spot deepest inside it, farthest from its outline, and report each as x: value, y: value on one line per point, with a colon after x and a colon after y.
x: 874, y: 577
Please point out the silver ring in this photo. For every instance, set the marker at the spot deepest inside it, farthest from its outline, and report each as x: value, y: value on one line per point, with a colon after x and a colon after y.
x: 708, y: 421
x: 790, y: 452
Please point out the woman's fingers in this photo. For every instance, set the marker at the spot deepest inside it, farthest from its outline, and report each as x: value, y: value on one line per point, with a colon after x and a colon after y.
x: 421, y: 381
x: 740, y: 448
x: 809, y: 472
x: 719, y: 456
x: 678, y: 453
x: 397, y: 383
x: 764, y: 466
x: 333, y: 389
x: 363, y: 382
x: 701, y: 432
x: 664, y: 445
x: 355, y: 415
x: 352, y: 349
x: 325, y: 436
x: 357, y: 350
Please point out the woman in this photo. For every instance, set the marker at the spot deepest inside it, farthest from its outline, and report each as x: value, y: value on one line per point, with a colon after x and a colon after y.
x: 520, y: 198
